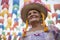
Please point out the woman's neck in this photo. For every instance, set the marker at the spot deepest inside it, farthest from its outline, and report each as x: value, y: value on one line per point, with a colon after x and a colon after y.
x: 36, y: 26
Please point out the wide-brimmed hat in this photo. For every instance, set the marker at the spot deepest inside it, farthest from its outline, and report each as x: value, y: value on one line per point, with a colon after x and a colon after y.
x: 32, y: 6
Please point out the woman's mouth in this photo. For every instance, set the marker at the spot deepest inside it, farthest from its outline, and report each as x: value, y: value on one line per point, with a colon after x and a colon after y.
x: 33, y: 17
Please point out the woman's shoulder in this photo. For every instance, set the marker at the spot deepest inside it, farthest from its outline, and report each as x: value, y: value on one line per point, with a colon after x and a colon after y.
x: 53, y: 28
x: 55, y: 31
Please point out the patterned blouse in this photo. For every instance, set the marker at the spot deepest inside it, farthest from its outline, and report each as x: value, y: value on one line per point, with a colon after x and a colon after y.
x: 39, y: 35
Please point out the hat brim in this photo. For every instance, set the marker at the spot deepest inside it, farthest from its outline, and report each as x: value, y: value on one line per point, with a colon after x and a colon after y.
x: 32, y: 6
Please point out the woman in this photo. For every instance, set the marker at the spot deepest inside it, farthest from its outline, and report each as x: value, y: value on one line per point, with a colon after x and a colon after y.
x: 34, y: 14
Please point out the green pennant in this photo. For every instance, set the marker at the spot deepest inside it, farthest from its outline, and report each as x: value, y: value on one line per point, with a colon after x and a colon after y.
x: 3, y: 33
x: 46, y: 0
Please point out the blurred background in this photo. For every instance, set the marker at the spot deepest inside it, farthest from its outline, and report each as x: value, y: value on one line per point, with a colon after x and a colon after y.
x: 11, y: 25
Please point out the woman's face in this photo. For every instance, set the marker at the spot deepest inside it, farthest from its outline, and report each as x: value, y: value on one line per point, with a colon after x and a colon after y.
x: 33, y: 16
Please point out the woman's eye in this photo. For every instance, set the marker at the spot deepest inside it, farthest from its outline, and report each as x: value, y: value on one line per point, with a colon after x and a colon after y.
x: 29, y: 13
x: 34, y: 12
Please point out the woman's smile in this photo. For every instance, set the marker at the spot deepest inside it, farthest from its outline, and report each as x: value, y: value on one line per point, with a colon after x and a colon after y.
x: 34, y: 16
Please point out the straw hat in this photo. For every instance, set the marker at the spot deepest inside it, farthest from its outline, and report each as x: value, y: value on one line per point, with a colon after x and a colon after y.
x: 32, y: 6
